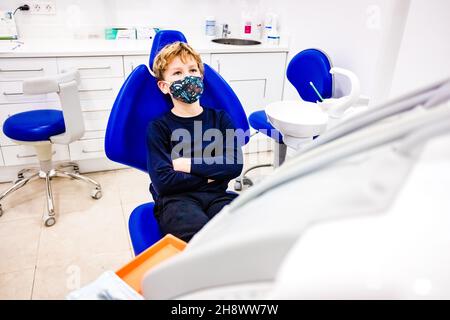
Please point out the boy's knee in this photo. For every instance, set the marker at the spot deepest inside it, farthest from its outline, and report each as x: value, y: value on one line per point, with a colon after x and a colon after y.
x: 182, y: 221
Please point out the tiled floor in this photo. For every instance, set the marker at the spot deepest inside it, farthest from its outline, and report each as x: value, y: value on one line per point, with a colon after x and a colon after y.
x: 90, y: 236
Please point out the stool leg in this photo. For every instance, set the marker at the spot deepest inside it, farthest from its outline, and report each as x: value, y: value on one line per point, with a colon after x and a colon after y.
x: 96, y: 193
x: 49, y: 217
x: 73, y: 165
x: 16, y: 186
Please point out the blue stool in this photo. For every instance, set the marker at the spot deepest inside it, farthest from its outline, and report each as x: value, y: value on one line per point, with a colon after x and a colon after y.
x: 42, y: 128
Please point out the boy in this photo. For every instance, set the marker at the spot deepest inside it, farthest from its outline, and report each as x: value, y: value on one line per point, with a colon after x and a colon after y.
x: 189, y: 173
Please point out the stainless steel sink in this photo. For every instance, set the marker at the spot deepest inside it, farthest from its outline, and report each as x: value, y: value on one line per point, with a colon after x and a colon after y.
x: 236, y: 42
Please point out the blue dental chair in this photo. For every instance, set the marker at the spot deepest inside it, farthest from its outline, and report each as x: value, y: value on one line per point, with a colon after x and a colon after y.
x: 138, y: 102
x: 308, y: 65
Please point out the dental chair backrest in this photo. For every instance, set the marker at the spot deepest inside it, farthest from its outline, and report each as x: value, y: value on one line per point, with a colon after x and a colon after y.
x: 139, y: 101
x: 311, y: 65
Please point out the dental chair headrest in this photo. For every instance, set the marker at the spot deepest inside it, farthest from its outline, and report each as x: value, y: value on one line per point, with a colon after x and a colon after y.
x: 163, y: 38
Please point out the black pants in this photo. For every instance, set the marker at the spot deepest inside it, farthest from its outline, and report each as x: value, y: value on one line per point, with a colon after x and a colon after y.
x: 183, y: 215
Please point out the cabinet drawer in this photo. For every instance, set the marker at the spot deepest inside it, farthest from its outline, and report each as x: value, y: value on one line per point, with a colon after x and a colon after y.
x: 8, y: 110
x: 93, y: 67
x: 88, y: 135
x: 96, y: 104
x: 87, y: 149
x: 20, y: 154
x: 12, y: 92
x: 95, y: 121
x: 100, y: 89
x: 12, y: 69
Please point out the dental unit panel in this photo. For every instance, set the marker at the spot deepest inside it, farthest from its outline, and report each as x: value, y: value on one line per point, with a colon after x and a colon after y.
x: 369, y: 189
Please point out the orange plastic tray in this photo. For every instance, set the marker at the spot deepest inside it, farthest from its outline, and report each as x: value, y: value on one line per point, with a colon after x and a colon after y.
x: 133, y: 272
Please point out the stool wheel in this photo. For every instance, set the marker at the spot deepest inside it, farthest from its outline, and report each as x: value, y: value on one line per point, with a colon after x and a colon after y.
x: 49, y: 221
x: 96, y: 194
x: 247, y: 182
x: 237, y: 186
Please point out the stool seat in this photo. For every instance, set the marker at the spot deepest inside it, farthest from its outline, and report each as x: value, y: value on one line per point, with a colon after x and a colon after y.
x: 36, y: 125
x: 258, y: 121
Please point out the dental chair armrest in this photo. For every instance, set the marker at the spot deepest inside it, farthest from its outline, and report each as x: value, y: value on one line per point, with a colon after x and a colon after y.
x: 49, y: 84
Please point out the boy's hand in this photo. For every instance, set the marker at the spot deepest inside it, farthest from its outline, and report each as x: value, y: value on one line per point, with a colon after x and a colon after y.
x: 210, y: 180
x: 182, y: 164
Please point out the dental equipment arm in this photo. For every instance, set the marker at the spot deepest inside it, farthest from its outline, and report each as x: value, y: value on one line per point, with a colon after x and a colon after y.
x: 255, y: 255
x: 428, y: 96
x: 335, y: 107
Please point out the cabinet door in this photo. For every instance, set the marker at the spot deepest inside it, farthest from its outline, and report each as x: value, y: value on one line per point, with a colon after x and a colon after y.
x: 256, y: 78
x: 87, y: 149
x: 131, y: 62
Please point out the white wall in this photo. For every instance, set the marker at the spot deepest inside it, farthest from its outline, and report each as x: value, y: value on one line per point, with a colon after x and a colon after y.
x: 424, y: 55
x: 362, y: 35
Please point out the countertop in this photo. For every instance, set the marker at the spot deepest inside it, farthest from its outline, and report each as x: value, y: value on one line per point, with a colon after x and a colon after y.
x: 68, y: 48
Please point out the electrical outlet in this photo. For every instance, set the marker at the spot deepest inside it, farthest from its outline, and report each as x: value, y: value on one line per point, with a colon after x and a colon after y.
x: 42, y: 7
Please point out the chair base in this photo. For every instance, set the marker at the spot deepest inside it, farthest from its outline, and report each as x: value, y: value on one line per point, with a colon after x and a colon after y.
x: 32, y: 174
x: 279, y: 155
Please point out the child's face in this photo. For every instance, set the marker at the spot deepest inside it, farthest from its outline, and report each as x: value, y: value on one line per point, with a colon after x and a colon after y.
x: 177, y: 70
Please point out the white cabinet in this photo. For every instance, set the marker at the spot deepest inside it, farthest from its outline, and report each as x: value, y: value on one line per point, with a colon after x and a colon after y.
x: 257, y: 79
x: 101, y: 80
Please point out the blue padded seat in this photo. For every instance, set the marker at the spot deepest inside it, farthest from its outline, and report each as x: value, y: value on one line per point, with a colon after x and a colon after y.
x: 143, y: 227
x: 259, y: 121
x: 36, y: 125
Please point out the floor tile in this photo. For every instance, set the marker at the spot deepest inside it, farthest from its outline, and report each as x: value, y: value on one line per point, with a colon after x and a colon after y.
x: 57, y: 280
x: 133, y: 186
x: 27, y: 202
x: 73, y: 195
x: 16, y: 285
x: 77, y: 234
x: 19, y: 241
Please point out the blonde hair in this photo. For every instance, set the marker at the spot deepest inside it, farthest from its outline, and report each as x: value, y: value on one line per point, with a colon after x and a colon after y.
x: 170, y: 52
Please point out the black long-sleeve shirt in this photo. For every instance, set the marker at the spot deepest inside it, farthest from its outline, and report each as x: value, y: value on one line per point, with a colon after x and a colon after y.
x: 208, y: 139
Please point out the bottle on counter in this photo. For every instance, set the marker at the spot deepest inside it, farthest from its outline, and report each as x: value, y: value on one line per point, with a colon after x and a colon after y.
x: 247, y: 26
x: 210, y: 26
x: 272, y: 35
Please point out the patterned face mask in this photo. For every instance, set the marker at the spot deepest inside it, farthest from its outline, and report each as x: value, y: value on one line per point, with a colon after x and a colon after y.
x: 187, y: 90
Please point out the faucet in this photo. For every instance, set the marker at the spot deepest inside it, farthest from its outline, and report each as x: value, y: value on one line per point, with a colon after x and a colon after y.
x: 225, y: 31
